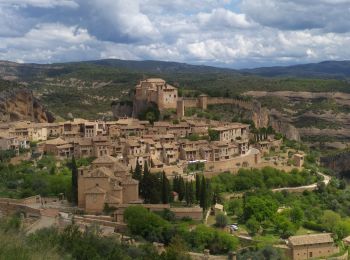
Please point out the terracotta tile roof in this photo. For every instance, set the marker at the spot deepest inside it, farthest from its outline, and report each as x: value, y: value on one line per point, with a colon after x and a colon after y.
x: 57, y: 141
x: 101, y: 172
x: 105, y: 159
x: 311, y: 239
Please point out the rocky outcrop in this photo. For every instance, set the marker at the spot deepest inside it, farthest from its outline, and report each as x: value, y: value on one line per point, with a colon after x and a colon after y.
x: 20, y: 104
x: 122, y: 109
x: 340, y: 163
x: 263, y: 117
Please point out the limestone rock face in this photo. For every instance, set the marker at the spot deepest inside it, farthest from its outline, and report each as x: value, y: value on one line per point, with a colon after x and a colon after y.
x: 338, y: 162
x: 20, y: 104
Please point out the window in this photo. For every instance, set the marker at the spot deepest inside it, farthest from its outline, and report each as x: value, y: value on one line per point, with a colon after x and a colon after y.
x: 310, y: 254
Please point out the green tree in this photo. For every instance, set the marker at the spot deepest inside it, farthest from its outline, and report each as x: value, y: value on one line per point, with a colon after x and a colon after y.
x: 253, y: 226
x: 74, y: 181
x: 144, y: 223
x: 262, y: 208
x: 181, y: 188
x: 165, y: 189
x: 205, y: 194
x: 137, y: 174
x: 221, y: 220
x: 330, y: 220
x: 198, y: 187
x: 296, y: 215
x: 283, y: 226
x: 213, y: 135
x: 176, y: 250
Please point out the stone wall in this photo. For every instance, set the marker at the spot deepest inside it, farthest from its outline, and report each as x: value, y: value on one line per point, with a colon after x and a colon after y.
x: 232, y: 165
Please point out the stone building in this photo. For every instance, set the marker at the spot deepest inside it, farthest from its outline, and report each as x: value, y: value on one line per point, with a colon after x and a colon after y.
x: 154, y: 91
x: 106, y: 181
x: 311, y: 246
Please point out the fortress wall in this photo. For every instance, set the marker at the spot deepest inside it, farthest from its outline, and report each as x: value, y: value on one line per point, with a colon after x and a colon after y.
x: 190, y: 102
x: 220, y: 100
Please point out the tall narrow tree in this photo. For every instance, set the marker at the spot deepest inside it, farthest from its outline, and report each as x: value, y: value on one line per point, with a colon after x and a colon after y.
x: 165, y: 189
x: 181, y: 188
x: 137, y: 174
x: 74, y: 181
x: 198, y: 187
x: 204, y: 195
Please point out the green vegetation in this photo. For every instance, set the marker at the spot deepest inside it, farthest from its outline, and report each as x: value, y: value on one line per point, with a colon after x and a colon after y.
x: 87, y: 89
x: 152, y: 227
x: 282, y: 214
x: 71, y: 243
x: 24, y: 180
x: 267, y: 177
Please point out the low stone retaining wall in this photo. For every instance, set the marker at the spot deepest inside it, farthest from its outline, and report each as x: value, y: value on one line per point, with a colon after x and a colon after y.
x: 11, y: 208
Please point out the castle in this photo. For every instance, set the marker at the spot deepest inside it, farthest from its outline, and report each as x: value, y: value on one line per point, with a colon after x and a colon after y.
x: 154, y: 91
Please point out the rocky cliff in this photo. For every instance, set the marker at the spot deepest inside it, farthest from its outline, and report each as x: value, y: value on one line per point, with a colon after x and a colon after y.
x: 340, y: 163
x: 20, y: 104
x: 263, y: 117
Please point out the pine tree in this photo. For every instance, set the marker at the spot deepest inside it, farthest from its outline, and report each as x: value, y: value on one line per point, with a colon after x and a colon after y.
x: 74, y: 181
x: 165, y: 189
x: 198, y: 187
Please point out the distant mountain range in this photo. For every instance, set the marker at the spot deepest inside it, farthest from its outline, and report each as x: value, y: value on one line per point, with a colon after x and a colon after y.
x: 325, y: 69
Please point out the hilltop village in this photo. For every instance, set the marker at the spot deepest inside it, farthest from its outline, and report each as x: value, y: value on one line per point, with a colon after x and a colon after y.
x: 187, y: 152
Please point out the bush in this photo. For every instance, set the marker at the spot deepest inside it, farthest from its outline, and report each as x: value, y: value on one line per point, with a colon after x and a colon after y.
x: 221, y: 220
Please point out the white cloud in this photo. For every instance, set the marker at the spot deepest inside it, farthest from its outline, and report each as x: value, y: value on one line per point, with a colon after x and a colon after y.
x: 262, y: 32
x: 219, y: 18
x: 326, y: 15
x: 40, y: 3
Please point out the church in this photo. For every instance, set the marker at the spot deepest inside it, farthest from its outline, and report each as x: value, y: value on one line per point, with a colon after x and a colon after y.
x: 105, y: 181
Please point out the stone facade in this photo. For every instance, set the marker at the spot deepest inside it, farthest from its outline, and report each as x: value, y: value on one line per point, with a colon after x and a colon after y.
x: 154, y: 91
x: 311, y: 246
x: 106, y: 181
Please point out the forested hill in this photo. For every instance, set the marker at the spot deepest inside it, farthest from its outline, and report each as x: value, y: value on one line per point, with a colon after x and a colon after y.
x: 323, y: 70
x: 326, y: 69
x: 87, y: 88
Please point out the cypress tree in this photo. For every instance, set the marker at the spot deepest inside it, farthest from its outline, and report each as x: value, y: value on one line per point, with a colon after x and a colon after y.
x: 137, y: 174
x: 181, y: 189
x: 187, y: 194
x: 198, y: 187
x: 165, y: 189
x: 74, y: 181
x: 191, y: 194
x: 204, y: 194
x: 145, y: 181
x: 176, y: 184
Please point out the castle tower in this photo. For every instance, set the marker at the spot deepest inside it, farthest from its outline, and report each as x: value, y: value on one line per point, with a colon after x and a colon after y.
x: 180, y: 108
x: 203, y: 101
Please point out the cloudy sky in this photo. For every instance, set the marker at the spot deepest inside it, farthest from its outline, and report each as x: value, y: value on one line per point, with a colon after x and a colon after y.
x: 227, y: 33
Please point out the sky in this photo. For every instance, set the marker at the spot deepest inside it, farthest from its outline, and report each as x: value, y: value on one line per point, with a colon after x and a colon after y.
x: 225, y: 33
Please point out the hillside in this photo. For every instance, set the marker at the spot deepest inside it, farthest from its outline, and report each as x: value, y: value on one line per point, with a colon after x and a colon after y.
x: 326, y: 69
x: 86, y: 89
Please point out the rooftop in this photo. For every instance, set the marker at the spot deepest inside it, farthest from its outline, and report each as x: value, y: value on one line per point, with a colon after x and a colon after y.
x: 320, y: 238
